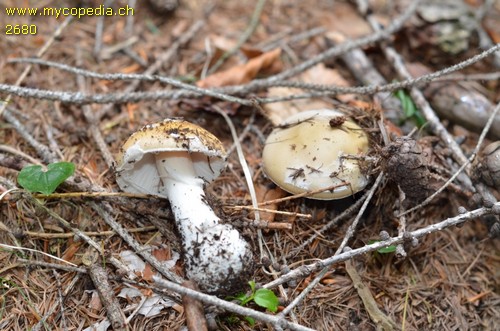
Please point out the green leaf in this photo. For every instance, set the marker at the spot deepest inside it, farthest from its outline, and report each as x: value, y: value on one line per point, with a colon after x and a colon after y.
x: 410, y: 110
x: 252, y: 285
x: 243, y: 298
x: 386, y: 250
x: 240, y: 297
x: 250, y: 320
x: 35, y: 179
x: 383, y: 250
x: 267, y: 299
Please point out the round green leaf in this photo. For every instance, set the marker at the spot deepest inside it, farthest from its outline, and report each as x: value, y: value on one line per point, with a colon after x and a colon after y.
x: 35, y: 179
x: 267, y: 299
x: 386, y: 250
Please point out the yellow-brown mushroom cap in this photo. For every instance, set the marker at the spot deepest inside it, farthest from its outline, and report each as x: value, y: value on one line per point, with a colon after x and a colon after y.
x: 309, y: 152
x: 136, y: 168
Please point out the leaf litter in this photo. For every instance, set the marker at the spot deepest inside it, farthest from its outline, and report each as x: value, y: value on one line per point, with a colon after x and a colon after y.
x: 450, y: 281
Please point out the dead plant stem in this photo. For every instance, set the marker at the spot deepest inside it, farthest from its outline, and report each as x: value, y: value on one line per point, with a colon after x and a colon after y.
x: 40, y: 53
x: 383, y: 322
x: 163, y: 59
x: 65, y: 224
x: 33, y: 234
x: 275, y: 320
x: 254, y: 22
x: 136, y: 246
x: 483, y: 192
x: 43, y: 151
x: 343, y: 244
x: 192, y: 91
x: 306, y: 270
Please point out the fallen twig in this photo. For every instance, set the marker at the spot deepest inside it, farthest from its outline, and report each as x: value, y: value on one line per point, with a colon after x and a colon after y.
x: 45, y: 235
x: 306, y: 270
x: 195, y: 315
x: 343, y: 244
x: 254, y: 22
x: 138, y: 248
x: 382, y: 321
x: 163, y: 59
x: 99, y: 277
x: 222, y: 93
x: 481, y: 189
x: 276, y: 320
x: 40, y: 53
x: 43, y: 151
x: 94, y: 130
x: 287, y: 213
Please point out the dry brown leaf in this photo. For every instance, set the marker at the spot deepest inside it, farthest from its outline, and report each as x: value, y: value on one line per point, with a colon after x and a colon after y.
x: 347, y: 21
x: 131, y: 69
x: 95, y: 304
x: 492, y: 28
x: 242, y: 73
x: 162, y: 254
x: 72, y: 249
x: 263, y: 193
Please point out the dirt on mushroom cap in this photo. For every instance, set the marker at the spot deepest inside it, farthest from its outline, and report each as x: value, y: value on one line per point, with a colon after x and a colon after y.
x: 304, y: 153
x: 177, y: 134
x: 170, y: 135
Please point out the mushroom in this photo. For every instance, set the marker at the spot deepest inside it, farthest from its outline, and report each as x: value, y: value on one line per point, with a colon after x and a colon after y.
x: 310, y: 151
x: 174, y: 159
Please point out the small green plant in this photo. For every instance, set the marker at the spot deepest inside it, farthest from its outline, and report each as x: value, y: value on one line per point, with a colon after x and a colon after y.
x: 410, y: 110
x: 262, y: 297
x: 36, y: 179
x: 383, y: 250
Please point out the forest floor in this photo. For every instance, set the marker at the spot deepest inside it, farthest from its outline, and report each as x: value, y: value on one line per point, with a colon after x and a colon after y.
x: 65, y: 261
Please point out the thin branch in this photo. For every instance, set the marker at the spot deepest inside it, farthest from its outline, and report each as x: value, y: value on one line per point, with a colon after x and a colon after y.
x: 36, y: 251
x: 91, y: 119
x: 396, y: 24
x: 346, y: 213
x: 306, y: 270
x: 163, y: 58
x: 53, y: 266
x: 45, y: 235
x: 276, y: 321
x: 65, y: 224
x: 40, y: 53
x: 43, y: 151
x: 12, y: 150
x: 371, y: 89
x: 383, y: 322
x: 254, y: 22
x: 138, y: 248
x: 273, y: 211
x: 464, y: 165
x: 118, y: 97
x: 343, y: 244
x: 323, y: 90
x: 434, y: 123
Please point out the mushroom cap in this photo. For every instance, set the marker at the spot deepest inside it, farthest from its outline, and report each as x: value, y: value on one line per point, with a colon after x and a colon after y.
x: 303, y: 154
x: 136, y: 166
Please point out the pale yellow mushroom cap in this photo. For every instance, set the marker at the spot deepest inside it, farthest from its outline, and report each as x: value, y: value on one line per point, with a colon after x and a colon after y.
x: 304, y: 154
x: 136, y: 170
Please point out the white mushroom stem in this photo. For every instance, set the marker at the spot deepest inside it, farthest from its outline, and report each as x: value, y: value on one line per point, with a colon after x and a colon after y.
x: 215, y: 253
